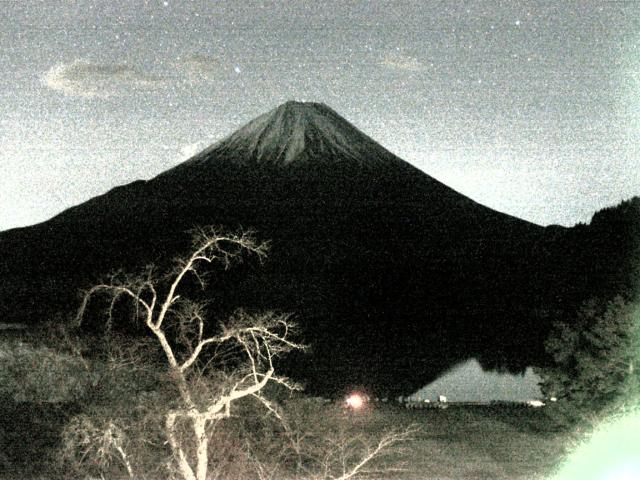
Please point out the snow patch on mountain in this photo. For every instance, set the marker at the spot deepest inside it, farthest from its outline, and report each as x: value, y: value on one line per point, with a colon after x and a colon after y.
x: 299, y: 132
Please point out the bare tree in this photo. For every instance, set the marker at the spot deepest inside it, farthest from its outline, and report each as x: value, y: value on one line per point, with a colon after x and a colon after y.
x: 99, y: 445
x: 250, y: 341
x: 331, y: 444
x: 344, y: 456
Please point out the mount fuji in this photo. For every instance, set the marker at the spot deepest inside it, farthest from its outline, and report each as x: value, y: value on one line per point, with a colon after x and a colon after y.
x: 392, y: 275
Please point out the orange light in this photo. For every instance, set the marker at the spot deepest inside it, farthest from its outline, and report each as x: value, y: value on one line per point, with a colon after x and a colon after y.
x: 355, y: 401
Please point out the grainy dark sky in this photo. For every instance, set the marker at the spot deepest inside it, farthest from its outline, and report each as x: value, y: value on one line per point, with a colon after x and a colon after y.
x: 532, y: 108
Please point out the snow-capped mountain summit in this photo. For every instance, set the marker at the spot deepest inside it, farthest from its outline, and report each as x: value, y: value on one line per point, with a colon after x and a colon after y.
x: 374, y: 256
x: 297, y: 133
x: 392, y: 275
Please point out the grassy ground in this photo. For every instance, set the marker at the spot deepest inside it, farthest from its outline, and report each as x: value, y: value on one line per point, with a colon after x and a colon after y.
x: 28, y: 436
x: 458, y: 443
x: 473, y: 443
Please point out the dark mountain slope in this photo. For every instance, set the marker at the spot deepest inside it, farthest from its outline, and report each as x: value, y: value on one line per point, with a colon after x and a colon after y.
x: 393, y: 275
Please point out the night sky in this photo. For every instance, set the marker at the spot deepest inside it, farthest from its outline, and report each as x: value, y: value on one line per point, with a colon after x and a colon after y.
x: 530, y: 108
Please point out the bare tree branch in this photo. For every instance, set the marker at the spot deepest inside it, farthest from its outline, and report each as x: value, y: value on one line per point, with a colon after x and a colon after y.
x: 256, y: 339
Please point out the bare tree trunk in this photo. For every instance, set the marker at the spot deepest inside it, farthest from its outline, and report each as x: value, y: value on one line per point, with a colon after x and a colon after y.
x: 202, y: 454
x: 183, y: 465
x: 259, y: 337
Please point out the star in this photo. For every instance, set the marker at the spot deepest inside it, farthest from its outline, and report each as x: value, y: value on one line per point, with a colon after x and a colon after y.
x: 179, y: 58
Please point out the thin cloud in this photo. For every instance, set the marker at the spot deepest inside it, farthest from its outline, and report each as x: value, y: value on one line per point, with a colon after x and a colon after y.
x: 89, y: 80
x: 400, y: 61
x: 191, y: 149
x: 197, y: 68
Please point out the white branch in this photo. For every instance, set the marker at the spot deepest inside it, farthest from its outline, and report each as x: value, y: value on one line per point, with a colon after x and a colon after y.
x: 260, y: 338
x: 196, y: 352
x: 383, y: 445
x: 183, y: 465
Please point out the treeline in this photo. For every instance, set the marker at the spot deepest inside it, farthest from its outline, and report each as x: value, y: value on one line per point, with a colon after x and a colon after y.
x: 593, y: 346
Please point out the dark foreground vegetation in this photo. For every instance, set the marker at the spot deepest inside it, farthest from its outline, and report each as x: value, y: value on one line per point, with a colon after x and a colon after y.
x: 498, y: 442
x: 66, y: 410
x: 186, y: 398
x: 193, y: 397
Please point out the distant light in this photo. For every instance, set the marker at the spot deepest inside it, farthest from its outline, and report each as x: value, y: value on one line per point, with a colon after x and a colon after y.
x: 355, y: 401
